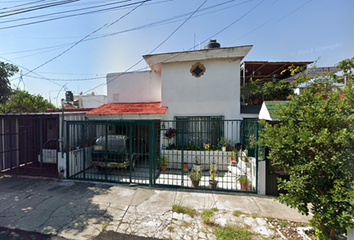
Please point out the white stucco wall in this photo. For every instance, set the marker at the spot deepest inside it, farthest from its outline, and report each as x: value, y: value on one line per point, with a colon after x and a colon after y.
x: 215, y: 93
x: 93, y: 101
x: 134, y: 87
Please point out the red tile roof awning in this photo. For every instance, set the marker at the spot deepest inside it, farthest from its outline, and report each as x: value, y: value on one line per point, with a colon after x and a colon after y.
x: 129, y: 108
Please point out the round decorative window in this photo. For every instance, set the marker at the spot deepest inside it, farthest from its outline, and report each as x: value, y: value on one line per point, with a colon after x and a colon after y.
x: 197, y: 69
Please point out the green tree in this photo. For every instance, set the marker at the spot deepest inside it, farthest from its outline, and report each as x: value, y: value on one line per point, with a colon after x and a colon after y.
x: 7, y: 70
x: 279, y: 90
x: 314, y: 143
x: 24, y: 102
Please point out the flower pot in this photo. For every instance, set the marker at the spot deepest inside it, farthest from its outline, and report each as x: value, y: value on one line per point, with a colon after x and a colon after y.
x: 213, y: 184
x: 164, y: 168
x: 223, y: 149
x: 233, y: 160
x: 245, y: 186
x: 185, y: 167
x: 195, y: 183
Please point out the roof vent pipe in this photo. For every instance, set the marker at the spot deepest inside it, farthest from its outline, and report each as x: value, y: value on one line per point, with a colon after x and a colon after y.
x: 212, y: 44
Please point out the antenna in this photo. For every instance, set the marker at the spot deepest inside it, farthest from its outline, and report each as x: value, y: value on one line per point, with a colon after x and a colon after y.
x: 21, y: 80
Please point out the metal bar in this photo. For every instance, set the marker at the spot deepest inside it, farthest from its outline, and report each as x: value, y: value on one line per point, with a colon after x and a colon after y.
x: 130, y: 152
x: 41, y: 141
x: 106, y: 154
x: 67, y: 151
x: 83, y: 150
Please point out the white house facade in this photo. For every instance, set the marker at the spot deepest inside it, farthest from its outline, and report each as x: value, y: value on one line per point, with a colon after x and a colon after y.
x: 193, y: 83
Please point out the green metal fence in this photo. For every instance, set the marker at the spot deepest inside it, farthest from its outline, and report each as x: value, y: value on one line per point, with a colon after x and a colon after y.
x: 133, y: 152
x: 209, y: 144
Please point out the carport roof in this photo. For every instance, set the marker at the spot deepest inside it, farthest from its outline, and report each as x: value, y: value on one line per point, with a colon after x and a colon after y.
x: 129, y: 108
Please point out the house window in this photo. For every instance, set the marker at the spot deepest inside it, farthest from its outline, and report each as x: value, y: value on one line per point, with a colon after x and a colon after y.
x: 197, y: 69
x: 199, y: 130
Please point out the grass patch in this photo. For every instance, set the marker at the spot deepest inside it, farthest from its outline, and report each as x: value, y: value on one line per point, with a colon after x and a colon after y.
x: 104, y: 226
x: 231, y: 232
x: 183, y: 209
x: 283, y: 223
x: 237, y: 213
x: 186, y: 224
x: 207, y: 214
x: 215, y: 210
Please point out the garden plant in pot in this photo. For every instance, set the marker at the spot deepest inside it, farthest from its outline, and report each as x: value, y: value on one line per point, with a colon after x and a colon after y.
x: 163, y: 161
x: 223, y: 143
x: 197, y: 165
x: 244, y: 182
x: 233, y: 156
x: 213, y: 175
x: 195, y: 176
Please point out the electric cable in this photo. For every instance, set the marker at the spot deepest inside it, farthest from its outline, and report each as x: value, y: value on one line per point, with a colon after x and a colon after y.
x: 56, y: 18
x: 222, y: 30
x: 78, y: 42
x: 153, y: 24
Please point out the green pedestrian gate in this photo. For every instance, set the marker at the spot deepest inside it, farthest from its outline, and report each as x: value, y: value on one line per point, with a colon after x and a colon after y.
x: 131, y: 152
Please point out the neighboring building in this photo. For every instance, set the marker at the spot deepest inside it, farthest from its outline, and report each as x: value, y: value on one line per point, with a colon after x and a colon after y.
x: 90, y: 100
x: 201, y: 83
x: 264, y: 71
x: 268, y: 107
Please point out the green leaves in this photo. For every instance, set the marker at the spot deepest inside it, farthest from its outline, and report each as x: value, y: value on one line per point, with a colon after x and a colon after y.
x: 24, y: 102
x: 314, y: 143
x: 7, y: 70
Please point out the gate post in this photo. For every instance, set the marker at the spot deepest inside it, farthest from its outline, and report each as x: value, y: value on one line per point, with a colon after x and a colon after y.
x: 67, y: 137
x: 152, y: 146
x: 130, y: 151
x: 83, y: 149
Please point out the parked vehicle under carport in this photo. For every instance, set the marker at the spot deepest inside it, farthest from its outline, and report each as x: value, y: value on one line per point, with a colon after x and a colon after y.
x: 114, y: 154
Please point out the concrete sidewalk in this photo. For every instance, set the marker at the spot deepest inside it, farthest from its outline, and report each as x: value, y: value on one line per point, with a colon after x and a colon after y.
x: 81, y: 210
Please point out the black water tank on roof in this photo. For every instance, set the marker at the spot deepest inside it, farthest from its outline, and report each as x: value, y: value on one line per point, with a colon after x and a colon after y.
x: 69, y: 96
x: 212, y: 44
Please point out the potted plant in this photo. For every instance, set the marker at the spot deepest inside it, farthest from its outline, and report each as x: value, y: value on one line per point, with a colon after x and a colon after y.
x: 170, y: 134
x: 195, y: 177
x: 229, y: 146
x: 252, y: 91
x: 197, y: 164
x: 206, y: 146
x: 223, y: 143
x: 185, y: 167
x: 244, y: 182
x: 233, y: 156
x: 163, y: 161
x: 213, y: 176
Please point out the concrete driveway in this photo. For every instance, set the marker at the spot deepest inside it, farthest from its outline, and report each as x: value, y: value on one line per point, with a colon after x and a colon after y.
x: 81, y: 210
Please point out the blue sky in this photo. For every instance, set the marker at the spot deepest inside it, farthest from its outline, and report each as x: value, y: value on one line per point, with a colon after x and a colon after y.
x: 75, y: 53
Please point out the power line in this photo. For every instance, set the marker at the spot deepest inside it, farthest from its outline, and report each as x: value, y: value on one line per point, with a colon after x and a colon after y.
x: 66, y: 16
x: 34, y: 8
x: 222, y: 30
x: 153, y: 24
x: 78, y: 42
x: 68, y: 80
x: 294, y: 10
x: 168, y: 37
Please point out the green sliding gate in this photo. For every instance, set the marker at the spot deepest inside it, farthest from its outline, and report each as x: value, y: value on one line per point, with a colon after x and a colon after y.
x: 132, y: 152
x: 110, y: 151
